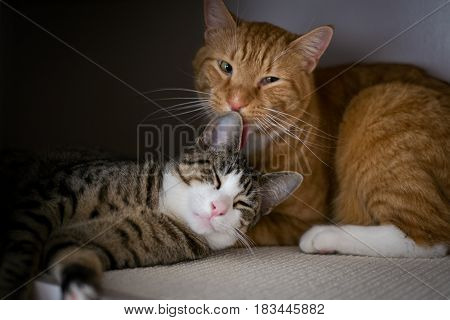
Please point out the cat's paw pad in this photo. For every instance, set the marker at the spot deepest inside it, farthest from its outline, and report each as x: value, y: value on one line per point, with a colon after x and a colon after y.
x: 80, y: 291
x: 320, y: 239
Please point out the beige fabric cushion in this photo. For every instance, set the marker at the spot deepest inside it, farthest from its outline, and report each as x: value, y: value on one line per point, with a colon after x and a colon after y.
x: 285, y: 273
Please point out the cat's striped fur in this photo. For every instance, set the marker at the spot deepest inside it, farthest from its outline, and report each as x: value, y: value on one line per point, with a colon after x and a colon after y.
x: 101, y: 214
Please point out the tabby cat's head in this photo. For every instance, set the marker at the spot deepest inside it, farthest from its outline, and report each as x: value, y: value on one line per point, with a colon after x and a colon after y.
x: 255, y: 68
x: 215, y: 193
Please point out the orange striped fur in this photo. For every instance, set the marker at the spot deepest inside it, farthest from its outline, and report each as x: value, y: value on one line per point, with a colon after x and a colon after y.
x: 378, y: 147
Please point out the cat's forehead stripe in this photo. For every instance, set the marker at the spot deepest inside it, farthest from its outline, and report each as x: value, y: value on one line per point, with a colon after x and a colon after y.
x: 269, y: 42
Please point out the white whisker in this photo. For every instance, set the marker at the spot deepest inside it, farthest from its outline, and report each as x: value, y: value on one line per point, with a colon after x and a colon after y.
x: 208, y: 113
x: 185, y: 104
x: 182, y: 98
x: 197, y: 109
x: 176, y: 89
x: 246, y: 237
x: 304, y: 144
x: 273, y: 125
x: 298, y: 119
x: 293, y: 126
x: 237, y: 234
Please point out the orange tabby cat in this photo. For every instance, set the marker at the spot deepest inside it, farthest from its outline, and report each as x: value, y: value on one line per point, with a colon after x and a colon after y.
x: 376, y: 139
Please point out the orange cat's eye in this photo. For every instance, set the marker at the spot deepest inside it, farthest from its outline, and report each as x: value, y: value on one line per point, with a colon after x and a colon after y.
x: 225, y: 67
x: 268, y: 80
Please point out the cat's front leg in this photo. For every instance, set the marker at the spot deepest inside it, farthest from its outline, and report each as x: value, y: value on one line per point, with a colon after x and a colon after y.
x: 320, y: 239
x: 79, y: 283
x: 381, y: 241
x: 79, y: 273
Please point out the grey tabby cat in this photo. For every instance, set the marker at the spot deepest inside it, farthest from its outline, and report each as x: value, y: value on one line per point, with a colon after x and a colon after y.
x: 102, y: 215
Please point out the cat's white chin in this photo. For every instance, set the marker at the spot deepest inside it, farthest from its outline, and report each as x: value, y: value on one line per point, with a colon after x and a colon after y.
x: 214, y: 234
x: 219, y: 240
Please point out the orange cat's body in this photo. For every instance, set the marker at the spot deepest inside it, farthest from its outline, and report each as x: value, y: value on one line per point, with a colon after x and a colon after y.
x: 373, y: 140
x: 392, y: 122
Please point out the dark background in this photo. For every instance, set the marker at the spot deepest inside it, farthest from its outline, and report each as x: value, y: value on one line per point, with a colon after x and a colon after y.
x: 50, y: 96
x: 53, y: 97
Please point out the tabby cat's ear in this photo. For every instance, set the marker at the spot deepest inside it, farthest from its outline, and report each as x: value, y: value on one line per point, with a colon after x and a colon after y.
x: 224, y: 133
x: 312, y: 45
x: 217, y: 15
x: 277, y: 187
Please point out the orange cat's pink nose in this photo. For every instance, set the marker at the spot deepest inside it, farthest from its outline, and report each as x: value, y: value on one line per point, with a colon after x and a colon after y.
x: 236, y: 105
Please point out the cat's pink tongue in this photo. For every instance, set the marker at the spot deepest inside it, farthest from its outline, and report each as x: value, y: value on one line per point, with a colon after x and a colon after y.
x: 244, y: 134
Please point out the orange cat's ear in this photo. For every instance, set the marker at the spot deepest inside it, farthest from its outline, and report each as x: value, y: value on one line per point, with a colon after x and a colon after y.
x: 217, y: 15
x: 312, y: 45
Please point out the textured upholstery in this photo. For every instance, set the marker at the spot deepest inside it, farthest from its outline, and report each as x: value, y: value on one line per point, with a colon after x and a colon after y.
x: 285, y: 273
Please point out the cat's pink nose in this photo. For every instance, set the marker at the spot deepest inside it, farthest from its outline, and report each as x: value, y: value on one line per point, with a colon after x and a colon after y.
x: 236, y: 105
x: 218, y: 208
x: 237, y: 102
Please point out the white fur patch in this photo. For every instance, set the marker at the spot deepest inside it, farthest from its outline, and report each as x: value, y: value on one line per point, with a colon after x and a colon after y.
x: 385, y: 241
x: 192, y: 204
x: 80, y: 291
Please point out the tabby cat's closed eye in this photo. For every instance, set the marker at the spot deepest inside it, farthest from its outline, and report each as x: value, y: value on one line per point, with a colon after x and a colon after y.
x: 218, y: 182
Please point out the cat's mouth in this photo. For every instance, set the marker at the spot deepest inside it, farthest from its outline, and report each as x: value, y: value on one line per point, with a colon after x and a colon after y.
x: 207, y: 224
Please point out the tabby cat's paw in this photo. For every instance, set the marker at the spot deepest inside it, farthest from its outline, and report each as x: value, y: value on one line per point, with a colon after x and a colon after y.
x: 320, y: 239
x: 79, y: 291
x: 79, y: 283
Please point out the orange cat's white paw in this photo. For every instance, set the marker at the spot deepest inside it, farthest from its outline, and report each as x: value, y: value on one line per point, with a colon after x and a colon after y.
x: 376, y: 241
x: 320, y: 239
